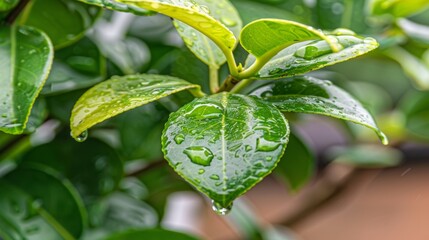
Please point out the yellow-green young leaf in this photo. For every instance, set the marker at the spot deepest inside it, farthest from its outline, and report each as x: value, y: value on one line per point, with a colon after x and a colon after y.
x: 224, y: 144
x: 25, y: 59
x: 64, y: 21
x: 121, y: 94
x: 187, y: 11
x: 265, y: 38
x: 204, y: 48
x: 311, y: 95
x: 117, y: 6
x: 398, y: 8
x: 312, y: 55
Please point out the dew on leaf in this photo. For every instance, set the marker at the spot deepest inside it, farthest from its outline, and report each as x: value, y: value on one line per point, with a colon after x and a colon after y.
x: 82, y: 137
x: 221, y: 210
x: 179, y: 138
x: 265, y: 145
x: 199, y: 155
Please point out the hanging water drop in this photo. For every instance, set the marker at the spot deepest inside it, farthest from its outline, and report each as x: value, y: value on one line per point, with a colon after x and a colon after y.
x: 228, y: 21
x: 82, y: 137
x: 221, y: 210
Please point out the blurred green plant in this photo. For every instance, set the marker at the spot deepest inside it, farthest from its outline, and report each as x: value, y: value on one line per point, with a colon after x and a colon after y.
x: 220, y: 97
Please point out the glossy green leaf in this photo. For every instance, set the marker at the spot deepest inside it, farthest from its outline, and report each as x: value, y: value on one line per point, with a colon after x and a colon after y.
x: 22, y: 217
x: 121, y: 94
x: 264, y: 38
x: 308, y: 56
x: 77, y: 66
x: 311, y: 95
x: 297, y: 164
x: 117, y: 6
x: 194, y: 15
x: 398, y: 8
x: 94, y: 168
x: 6, y: 5
x: 415, y: 68
x: 55, y: 194
x: 64, y: 21
x: 25, y: 59
x: 225, y: 144
x: 205, y: 49
x: 158, y: 234
x: 415, y: 107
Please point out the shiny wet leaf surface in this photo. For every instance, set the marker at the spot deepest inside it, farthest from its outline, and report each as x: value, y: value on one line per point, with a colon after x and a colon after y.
x: 225, y: 144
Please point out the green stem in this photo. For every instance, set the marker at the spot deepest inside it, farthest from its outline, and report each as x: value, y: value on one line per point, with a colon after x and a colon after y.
x: 197, y: 92
x: 241, y: 85
x: 232, y: 65
x: 11, y: 17
x: 57, y: 226
x: 16, y: 149
x: 228, y: 84
x: 214, y: 79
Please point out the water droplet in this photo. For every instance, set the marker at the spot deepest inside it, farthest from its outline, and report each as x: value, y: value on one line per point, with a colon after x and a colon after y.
x: 269, y: 158
x: 179, y: 138
x: 266, y: 145
x: 201, y: 171
x: 199, y: 155
x: 248, y: 148
x: 221, y: 210
x: 228, y: 21
x: 215, y: 177
x: 343, y: 31
x: 82, y: 137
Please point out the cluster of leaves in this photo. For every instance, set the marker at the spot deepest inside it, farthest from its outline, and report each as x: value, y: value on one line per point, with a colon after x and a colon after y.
x: 221, y: 136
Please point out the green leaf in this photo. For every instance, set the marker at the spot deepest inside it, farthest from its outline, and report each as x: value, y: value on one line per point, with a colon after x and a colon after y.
x: 415, y: 107
x: 415, y: 68
x: 297, y: 164
x: 25, y: 59
x: 192, y: 14
x: 94, y: 167
x: 264, y: 38
x: 205, y: 49
x: 225, y: 144
x: 38, y: 114
x: 117, y: 6
x: 64, y: 21
x: 398, y: 8
x: 310, y: 95
x: 158, y: 234
x: 78, y: 66
x: 308, y: 56
x: 21, y: 217
x: 7, y: 5
x: 55, y: 194
x: 121, y: 94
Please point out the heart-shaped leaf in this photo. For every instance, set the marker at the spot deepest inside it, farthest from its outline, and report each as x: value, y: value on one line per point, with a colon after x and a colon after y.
x: 225, y: 144
x: 54, y: 194
x: 308, y: 56
x: 25, y: 59
x: 264, y: 38
x: 205, y: 49
x: 311, y: 95
x: 194, y: 15
x: 121, y: 94
x: 117, y: 6
x: 64, y: 21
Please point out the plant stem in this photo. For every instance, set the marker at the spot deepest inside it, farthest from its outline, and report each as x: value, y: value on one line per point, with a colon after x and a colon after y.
x: 232, y: 65
x: 214, y: 79
x: 241, y: 85
x: 228, y: 84
x: 11, y: 17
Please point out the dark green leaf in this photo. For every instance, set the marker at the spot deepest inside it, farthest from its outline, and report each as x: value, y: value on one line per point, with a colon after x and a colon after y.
x: 78, y: 66
x: 117, y: 6
x: 55, y: 194
x: 121, y: 94
x: 311, y: 95
x: 93, y: 167
x: 205, y: 49
x: 21, y: 216
x: 37, y: 116
x: 225, y: 144
x: 25, y: 59
x: 297, y: 164
x: 7, y: 5
x: 308, y: 56
x: 64, y: 21
x: 415, y: 107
